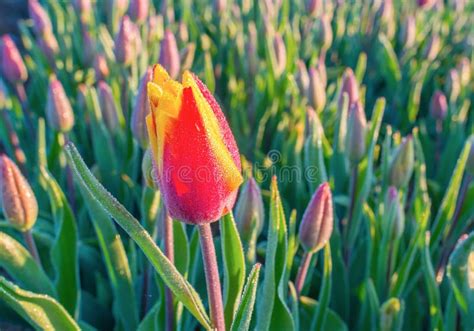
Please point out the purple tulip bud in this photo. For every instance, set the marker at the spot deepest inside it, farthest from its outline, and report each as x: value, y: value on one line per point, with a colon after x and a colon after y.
x: 169, y: 55
x: 18, y: 200
x: 41, y: 22
x: 393, y: 205
x: 314, y: 7
x: 350, y: 87
x: 439, y: 106
x: 251, y: 50
x: 302, y: 77
x: 12, y: 65
x: 425, y: 3
x: 84, y: 8
x: 401, y: 167
x: 280, y: 54
x: 453, y: 84
x: 249, y: 211
x: 317, y: 223
x: 432, y: 48
x: 408, y: 32
x: 138, y: 10
x: 58, y: 108
x: 141, y: 110
x: 470, y: 159
x: 464, y: 70
x: 356, y: 132
x: 108, y: 106
x: 100, y: 67
x: 127, y: 41
x: 49, y: 46
x: 325, y: 33
x: 316, y: 91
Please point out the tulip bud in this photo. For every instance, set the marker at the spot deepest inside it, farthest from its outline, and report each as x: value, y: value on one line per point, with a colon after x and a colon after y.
x: 49, y: 46
x: 325, y: 33
x: 470, y: 158
x: 18, y: 200
x: 452, y: 86
x: 127, y: 42
x: 392, y: 204
x: 313, y: 126
x: 438, y: 106
x: 219, y: 6
x: 138, y: 10
x: 251, y: 50
x: 408, y: 32
x: 107, y: 106
x: 302, y: 77
x: 147, y: 169
x: 88, y: 51
x: 58, y: 108
x: 464, y: 70
x: 425, y: 3
x: 155, y: 28
x: 12, y: 65
x: 350, y: 87
x: 317, y: 223
x: 321, y: 67
x: 183, y: 33
x: 316, y: 91
x: 100, y: 67
x: 389, y: 312
x: 81, y: 98
x: 280, y: 54
x: 41, y: 22
x: 314, y: 7
x: 169, y: 54
x: 249, y: 211
x: 432, y: 48
x: 356, y: 132
x: 141, y: 110
x: 84, y: 8
x: 401, y: 167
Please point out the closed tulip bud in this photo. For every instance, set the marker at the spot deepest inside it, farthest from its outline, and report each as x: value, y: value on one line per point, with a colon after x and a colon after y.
x: 388, y: 314
x: 470, y: 159
x: 138, y: 10
x: 119, y: 6
x: 108, y: 106
x: 464, y: 70
x: 350, y: 87
x: 141, y: 110
x: 280, y: 54
x: 356, y: 132
x: 401, y: 167
x: 88, y: 50
x: 49, y: 46
x: 317, y: 223
x: 438, y: 106
x: 302, y: 77
x: 155, y: 28
x: 169, y: 55
x: 322, y: 71
x: 81, y: 98
x: 249, y: 212
x: 127, y: 41
x: 41, y: 22
x: 426, y: 4
x: 392, y: 203
x: 58, y: 108
x: 316, y: 91
x: 251, y: 49
x: 18, y: 200
x: 84, y: 8
x: 197, y: 160
x: 101, y: 68
x: 314, y: 7
x: 453, y: 84
x: 183, y: 32
x: 219, y: 6
x: 432, y: 48
x: 408, y: 32
x: 12, y: 65
x: 325, y: 33
x: 313, y: 127
x: 147, y: 169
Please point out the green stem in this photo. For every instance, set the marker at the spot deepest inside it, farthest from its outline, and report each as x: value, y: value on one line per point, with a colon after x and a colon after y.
x: 30, y: 243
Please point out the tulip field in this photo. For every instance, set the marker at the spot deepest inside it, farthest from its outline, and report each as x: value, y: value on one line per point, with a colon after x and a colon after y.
x: 237, y: 165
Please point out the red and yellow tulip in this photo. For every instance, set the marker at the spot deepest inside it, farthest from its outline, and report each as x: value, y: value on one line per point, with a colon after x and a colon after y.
x: 195, y: 155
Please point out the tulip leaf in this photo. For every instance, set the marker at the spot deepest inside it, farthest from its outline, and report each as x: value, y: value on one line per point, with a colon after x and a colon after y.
x: 461, y: 276
x: 308, y: 307
x: 116, y: 261
x: 319, y: 318
x: 150, y: 321
x: 64, y: 252
x: 273, y: 312
x: 183, y: 291
x: 20, y: 265
x: 388, y: 61
x: 234, y: 265
x: 243, y: 315
x: 181, y: 253
x: 41, y: 311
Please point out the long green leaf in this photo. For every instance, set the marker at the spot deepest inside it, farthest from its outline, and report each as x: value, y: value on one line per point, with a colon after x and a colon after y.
x: 325, y: 293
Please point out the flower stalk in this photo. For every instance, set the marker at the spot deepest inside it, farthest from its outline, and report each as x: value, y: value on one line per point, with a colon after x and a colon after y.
x: 169, y: 252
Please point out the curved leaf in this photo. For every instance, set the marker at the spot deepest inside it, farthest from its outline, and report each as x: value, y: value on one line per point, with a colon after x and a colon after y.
x: 243, y: 315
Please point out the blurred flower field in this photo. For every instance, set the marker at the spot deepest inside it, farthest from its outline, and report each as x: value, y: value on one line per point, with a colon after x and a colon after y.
x: 238, y: 165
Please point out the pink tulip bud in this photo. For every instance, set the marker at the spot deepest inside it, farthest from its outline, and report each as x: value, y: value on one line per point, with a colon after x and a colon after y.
x: 280, y: 54
x: 302, y: 77
x: 408, y: 32
x: 12, y: 65
x: 127, y: 42
x: 249, y: 211
x: 49, y: 46
x: 108, y: 106
x: 18, y: 200
x: 321, y: 67
x: 350, y: 87
x: 183, y: 32
x: 138, y: 10
x: 58, y: 109
x: 41, y: 22
x: 316, y: 91
x: 169, y: 55
x: 432, y: 48
x: 314, y: 7
x: 317, y: 223
x: 325, y: 32
x: 100, y: 67
x: 393, y: 205
x: 453, y: 84
x: 438, y: 106
x: 464, y: 70
x: 356, y: 132
x: 219, y: 6
x: 141, y: 110
x: 425, y: 3
x: 84, y: 8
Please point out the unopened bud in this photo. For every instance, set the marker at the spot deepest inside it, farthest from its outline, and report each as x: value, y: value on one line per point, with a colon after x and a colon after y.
x: 249, y: 211
x: 88, y: 44
x: 402, y: 164
x: 41, y: 22
x: 470, y: 158
x: 393, y: 205
x: 356, y: 132
x: 155, y: 28
x: 408, y: 32
x: 12, y: 65
x: 81, y: 98
x: 349, y: 87
x: 388, y: 314
x: 101, y: 68
x: 464, y: 70
x: 183, y: 32
x: 84, y: 8
x: 127, y: 42
x: 321, y: 67
x: 138, y: 10
x: 453, y: 84
x: 18, y: 200
x: 302, y: 77
x: 438, y: 106
x: 58, y: 108
x: 426, y: 4
x: 280, y: 54
x: 141, y: 110
x: 325, y: 33
x: 49, y: 46
x: 432, y: 48
x: 108, y: 106
x: 148, y: 170
x: 317, y: 223
x: 314, y: 7
x: 316, y: 91
x: 313, y: 127
x: 169, y: 54
x: 219, y: 6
